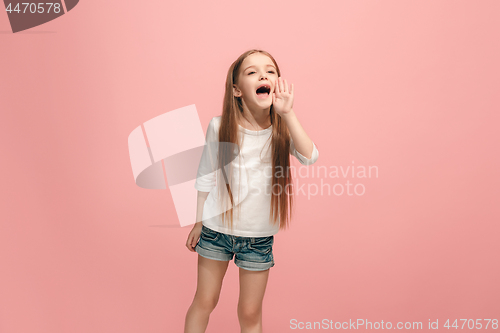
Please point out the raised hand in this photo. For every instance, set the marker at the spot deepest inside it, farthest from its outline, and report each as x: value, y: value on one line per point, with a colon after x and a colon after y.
x: 282, y: 97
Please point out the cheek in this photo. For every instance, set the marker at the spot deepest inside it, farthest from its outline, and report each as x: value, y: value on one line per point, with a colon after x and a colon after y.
x: 249, y: 89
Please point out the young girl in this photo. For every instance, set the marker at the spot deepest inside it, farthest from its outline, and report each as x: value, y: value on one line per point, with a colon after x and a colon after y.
x: 257, y: 119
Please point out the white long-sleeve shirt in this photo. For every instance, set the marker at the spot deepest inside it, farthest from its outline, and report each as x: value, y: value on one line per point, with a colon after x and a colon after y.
x: 252, y: 176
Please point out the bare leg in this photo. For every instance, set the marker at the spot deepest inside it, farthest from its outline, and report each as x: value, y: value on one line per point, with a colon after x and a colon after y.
x: 252, y: 288
x: 210, y: 276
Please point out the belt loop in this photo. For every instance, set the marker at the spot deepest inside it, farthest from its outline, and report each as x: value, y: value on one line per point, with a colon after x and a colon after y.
x: 252, y: 240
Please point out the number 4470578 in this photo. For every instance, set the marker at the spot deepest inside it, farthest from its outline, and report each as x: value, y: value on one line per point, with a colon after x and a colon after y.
x: 33, y: 8
x: 471, y: 324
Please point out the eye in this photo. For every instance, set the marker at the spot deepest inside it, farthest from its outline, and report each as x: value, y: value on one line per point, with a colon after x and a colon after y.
x: 272, y: 72
x: 250, y: 73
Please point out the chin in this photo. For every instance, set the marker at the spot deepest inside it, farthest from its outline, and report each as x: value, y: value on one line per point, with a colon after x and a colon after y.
x: 262, y: 104
x: 267, y: 103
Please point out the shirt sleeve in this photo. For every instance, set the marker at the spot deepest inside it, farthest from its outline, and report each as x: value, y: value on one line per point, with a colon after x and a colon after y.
x: 206, y: 176
x: 302, y: 159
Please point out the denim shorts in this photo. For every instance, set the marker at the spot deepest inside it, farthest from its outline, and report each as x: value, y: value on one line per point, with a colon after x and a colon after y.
x: 250, y: 253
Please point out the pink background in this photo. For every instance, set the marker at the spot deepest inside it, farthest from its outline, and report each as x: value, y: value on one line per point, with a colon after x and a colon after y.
x: 408, y: 86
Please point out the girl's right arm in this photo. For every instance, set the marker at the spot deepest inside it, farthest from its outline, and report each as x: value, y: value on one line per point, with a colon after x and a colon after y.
x: 205, y: 181
x: 194, y: 235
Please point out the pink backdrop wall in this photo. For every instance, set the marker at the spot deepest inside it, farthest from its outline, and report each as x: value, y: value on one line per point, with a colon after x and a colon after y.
x: 410, y: 87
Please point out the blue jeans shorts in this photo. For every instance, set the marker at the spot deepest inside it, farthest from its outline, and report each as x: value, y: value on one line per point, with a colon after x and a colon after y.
x: 251, y: 253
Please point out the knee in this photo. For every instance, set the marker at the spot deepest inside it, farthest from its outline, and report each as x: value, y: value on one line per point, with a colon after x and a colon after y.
x: 207, y: 304
x: 249, y: 315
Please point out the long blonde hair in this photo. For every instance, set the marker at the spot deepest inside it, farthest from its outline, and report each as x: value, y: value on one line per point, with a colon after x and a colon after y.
x: 282, y: 202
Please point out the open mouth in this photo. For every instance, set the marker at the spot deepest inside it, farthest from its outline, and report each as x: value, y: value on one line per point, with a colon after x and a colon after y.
x: 263, y: 91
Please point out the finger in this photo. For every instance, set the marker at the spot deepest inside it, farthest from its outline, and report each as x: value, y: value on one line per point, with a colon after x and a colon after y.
x: 291, y: 91
x: 281, y: 84
x: 277, y: 86
x: 286, y: 86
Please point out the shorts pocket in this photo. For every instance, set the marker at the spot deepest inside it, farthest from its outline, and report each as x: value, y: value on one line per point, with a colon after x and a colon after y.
x: 262, y: 245
x: 209, y: 234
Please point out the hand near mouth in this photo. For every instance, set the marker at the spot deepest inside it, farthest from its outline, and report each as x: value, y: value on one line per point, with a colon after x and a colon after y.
x: 282, y: 97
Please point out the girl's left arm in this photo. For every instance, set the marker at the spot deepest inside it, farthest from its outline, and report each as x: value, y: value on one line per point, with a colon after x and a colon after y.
x: 283, y: 105
x: 303, y: 144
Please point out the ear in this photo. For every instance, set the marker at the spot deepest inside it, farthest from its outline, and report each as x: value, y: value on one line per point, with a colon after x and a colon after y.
x: 236, y: 91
